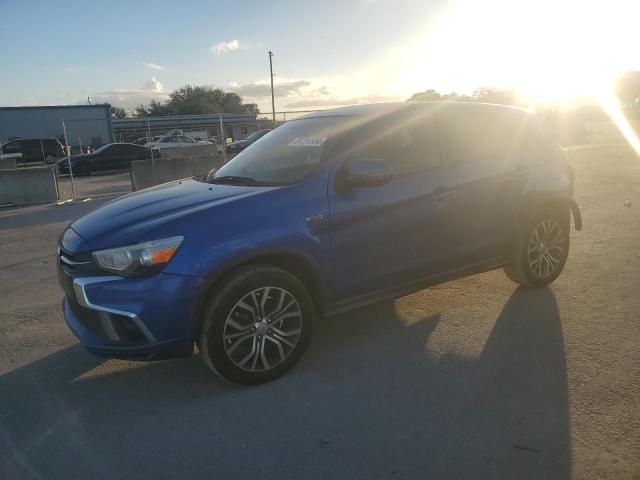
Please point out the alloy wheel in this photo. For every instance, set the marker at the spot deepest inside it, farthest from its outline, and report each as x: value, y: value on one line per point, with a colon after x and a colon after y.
x: 262, y: 329
x: 546, y: 248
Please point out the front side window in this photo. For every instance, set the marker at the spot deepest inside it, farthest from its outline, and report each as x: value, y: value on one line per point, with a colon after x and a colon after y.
x: 103, y: 148
x: 409, y: 142
x: 287, y: 155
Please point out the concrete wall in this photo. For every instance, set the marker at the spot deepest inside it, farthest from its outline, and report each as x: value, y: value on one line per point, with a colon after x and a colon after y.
x: 28, y: 186
x: 205, y: 149
x: 145, y: 173
x: 7, y: 163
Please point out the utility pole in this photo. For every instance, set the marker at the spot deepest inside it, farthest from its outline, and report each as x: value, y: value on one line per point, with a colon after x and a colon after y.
x: 273, y: 102
x: 68, y: 152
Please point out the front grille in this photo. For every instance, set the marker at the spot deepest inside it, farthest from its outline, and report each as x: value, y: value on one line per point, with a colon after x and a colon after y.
x: 70, y: 266
x: 79, y: 263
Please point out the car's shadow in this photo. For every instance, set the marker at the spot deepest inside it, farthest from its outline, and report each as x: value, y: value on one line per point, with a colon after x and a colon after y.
x: 369, y: 400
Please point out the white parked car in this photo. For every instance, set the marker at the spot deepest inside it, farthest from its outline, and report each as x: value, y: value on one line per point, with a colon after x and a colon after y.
x: 173, y: 141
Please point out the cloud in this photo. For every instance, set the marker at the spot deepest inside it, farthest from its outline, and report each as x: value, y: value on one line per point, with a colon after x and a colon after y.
x: 153, y: 85
x: 222, y: 48
x: 329, y: 102
x: 292, y: 93
x: 130, y: 98
x: 153, y: 66
x: 262, y: 88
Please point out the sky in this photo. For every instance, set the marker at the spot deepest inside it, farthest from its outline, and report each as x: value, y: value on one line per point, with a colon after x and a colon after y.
x: 327, y: 53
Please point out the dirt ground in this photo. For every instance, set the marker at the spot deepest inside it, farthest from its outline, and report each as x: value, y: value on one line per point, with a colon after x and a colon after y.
x: 471, y: 379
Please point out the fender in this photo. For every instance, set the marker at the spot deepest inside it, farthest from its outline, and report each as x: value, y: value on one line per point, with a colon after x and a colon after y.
x: 317, y: 287
x: 577, y: 215
x: 559, y: 197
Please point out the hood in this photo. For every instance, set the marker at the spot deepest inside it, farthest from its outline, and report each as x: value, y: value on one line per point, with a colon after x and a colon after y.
x: 128, y: 219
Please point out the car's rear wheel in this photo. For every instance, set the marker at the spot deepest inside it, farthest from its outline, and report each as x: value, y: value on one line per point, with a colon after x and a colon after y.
x: 257, y: 326
x: 542, y: 250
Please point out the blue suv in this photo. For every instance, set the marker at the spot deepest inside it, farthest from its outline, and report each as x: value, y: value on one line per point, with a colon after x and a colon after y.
x: 326, y: 213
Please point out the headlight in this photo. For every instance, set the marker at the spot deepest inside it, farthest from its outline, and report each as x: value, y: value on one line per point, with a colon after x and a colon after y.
x: 144, y: 258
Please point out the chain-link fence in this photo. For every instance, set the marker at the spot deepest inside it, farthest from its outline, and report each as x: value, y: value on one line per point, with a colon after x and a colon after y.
x: 284, y: 116
x: 85, y: 169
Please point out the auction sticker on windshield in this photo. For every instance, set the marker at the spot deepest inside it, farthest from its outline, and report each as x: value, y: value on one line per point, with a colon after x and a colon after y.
x: 308, y: 141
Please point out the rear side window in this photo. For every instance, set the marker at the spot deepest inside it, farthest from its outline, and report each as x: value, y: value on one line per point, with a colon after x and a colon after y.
x: 487, y: 135
x: 409, y: 142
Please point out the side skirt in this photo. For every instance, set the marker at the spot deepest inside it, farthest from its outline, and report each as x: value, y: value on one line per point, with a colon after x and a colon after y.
x: 382, y: 295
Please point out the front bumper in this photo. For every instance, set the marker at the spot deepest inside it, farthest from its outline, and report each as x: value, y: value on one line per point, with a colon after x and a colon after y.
x: 135, y: 318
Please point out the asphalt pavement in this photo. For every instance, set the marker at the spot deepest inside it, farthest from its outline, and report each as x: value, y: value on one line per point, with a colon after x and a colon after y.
x: 471, y: 379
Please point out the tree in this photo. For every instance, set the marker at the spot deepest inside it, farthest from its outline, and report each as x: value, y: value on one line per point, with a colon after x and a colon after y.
x: 427, y: 96
x: 194, y: 100
x: 118, y: 112
x: 480, y: 94
x: 432, y: 95
x: 454, y: 97
x: 154, y: 109
x: 501, y: 97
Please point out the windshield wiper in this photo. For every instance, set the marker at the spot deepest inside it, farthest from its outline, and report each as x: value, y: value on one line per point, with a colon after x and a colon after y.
x: 233, y: 180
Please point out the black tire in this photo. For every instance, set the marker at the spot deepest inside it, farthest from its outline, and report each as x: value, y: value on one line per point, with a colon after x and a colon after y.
x: 524, y: 269
x: 49, y: 160
x: 222, y: 354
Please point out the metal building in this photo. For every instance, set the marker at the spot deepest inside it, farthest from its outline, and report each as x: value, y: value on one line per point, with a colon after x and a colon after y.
x: 85, y: 124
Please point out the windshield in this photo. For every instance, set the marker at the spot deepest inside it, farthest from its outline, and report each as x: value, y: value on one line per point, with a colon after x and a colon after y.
x: 255, y: 135
x: 102, y: 148
x: 286, y: 155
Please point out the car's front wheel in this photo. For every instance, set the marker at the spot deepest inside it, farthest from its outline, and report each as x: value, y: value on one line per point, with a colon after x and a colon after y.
x: 257, y: 325
x: 542, y: 249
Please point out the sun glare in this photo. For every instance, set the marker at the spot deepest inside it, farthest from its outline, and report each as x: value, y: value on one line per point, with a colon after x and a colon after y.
x: 548, y: 50
x: 552, y: 52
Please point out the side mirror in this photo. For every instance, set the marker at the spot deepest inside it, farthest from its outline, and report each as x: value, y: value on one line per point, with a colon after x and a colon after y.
x: 362, y: 172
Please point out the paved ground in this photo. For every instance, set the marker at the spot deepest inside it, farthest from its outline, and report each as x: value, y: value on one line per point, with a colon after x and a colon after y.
x: 96, y: 185
x: 472, y: 379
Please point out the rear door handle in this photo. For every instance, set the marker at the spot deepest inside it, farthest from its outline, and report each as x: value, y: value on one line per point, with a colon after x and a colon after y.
x: 442, y: 193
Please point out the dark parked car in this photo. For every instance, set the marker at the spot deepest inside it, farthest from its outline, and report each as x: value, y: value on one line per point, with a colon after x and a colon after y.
x: 330, y: 212
x: 113, y: 156
x: 240, y: 145
x: 35, y: 150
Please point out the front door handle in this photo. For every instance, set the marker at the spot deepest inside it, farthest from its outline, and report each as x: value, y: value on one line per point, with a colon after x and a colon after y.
x: 442, y: 193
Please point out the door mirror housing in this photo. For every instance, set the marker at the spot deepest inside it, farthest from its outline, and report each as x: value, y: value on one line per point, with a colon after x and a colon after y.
x: 366, y: 171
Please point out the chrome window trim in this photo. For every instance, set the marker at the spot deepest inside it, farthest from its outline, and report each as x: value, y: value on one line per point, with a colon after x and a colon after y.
x: 79, y: 285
